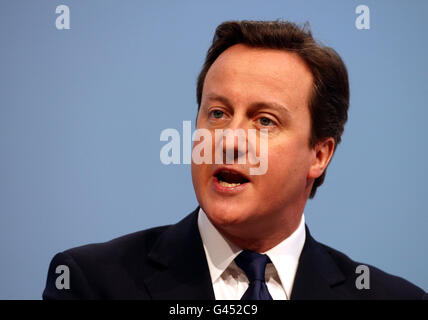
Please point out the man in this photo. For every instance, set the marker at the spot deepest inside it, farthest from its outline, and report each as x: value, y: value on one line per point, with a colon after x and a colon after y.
x: 248, y: 238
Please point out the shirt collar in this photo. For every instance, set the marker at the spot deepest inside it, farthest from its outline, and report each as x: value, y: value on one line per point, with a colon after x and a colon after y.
x: 285, y: 256
x: 220, y: 252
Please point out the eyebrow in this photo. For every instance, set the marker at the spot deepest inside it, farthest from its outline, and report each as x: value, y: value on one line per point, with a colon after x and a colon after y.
x: 280, y: 108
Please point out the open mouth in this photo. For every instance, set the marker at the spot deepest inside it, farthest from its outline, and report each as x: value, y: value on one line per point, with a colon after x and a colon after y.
x: 230, y: 178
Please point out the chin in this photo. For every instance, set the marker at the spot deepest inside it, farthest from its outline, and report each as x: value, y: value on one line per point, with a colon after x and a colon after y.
x: 225, y: 215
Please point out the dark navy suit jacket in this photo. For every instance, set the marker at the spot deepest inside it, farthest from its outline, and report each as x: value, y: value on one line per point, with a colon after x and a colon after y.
x: 169, y: 262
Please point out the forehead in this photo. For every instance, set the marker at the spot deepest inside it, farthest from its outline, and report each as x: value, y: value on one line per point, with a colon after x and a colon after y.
x: 254, y: 73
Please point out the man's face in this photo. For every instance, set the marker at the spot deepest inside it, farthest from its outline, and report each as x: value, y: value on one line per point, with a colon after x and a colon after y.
x: 253, y: 88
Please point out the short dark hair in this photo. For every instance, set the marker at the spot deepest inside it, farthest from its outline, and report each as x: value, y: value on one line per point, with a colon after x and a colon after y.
x: 329, y: 100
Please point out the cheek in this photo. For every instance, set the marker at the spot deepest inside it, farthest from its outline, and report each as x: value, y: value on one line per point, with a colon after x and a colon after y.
x: 201, y: 174
x: 288, y: 162
x: 198, y: 178
x: 197, y: 172
x: 195, y: 176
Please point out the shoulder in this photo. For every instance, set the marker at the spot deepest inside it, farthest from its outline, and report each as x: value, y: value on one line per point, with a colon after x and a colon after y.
x: 374, y: 283
x: 119, y: 268
x: 126, y: 246
x: 108, y: 270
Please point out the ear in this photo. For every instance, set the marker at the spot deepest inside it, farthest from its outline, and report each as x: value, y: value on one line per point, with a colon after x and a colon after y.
x: 323, y: 152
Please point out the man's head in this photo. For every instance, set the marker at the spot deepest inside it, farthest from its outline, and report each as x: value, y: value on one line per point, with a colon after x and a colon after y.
x: 274, y: 76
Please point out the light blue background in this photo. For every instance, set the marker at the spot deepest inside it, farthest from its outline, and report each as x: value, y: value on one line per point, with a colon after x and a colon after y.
x: 81, y: 112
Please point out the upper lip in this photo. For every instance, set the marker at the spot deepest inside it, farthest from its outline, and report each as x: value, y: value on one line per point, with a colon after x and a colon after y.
x: 224, y: 169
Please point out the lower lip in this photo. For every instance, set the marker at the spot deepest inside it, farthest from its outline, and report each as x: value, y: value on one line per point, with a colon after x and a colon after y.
x: 228, y: 190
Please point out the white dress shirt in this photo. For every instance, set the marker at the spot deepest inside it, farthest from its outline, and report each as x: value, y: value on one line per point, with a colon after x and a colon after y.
x: 230, y: 282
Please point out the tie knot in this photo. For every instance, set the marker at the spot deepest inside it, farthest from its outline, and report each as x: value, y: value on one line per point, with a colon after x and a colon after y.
x: 253, y: 264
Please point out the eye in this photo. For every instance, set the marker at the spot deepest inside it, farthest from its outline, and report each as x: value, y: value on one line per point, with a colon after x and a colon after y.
x: 217, y: 114
x: 266, y: 122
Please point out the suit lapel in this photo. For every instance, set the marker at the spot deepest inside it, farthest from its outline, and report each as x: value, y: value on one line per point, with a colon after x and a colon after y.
x: 180, y: 266
x: 180, y: 269
x: 316, y: 274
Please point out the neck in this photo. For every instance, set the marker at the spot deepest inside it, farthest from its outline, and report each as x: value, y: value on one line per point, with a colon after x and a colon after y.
x: 261, y: 238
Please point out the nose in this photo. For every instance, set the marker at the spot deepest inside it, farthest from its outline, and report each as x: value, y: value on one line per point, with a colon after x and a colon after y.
x: 233, y: 142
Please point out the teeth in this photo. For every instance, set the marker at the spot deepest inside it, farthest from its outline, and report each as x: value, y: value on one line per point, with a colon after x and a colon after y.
x: 227, y: 184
